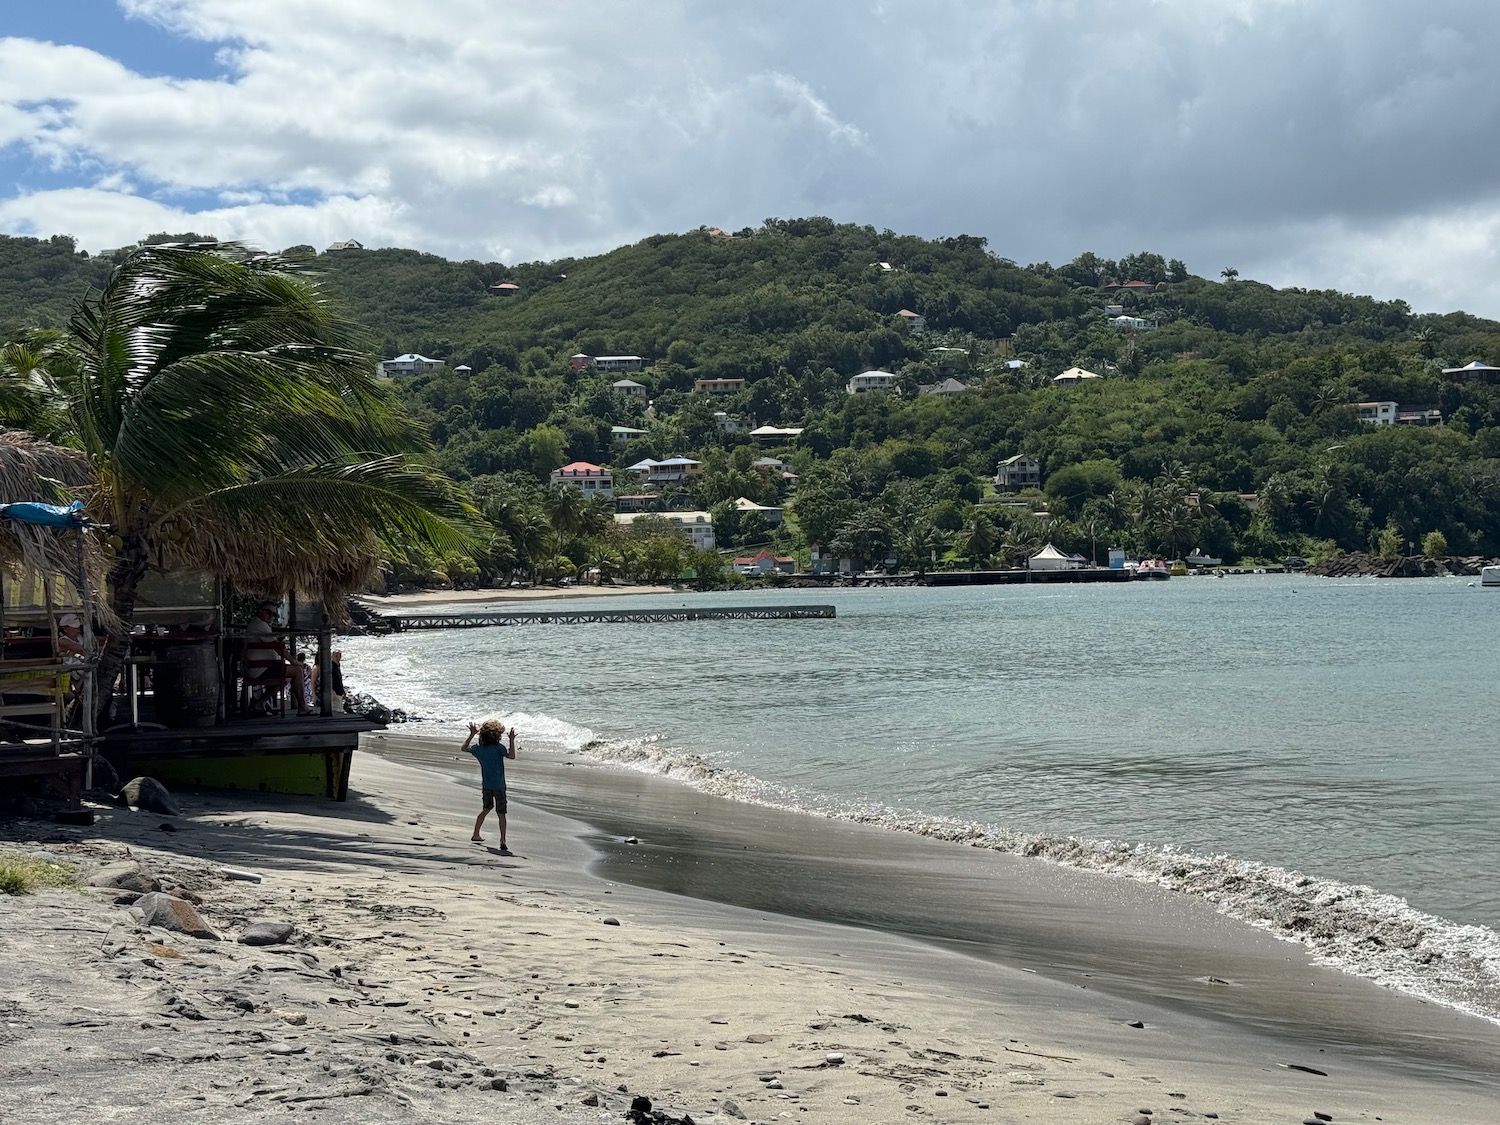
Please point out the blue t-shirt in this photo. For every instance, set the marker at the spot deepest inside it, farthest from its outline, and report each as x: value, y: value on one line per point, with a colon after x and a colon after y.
x: 492, y: 763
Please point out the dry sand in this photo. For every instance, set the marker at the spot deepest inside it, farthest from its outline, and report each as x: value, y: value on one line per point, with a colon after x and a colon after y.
x: 426, y: 971
x: 428, y: 598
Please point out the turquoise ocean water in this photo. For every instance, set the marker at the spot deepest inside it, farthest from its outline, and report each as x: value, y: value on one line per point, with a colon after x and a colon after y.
x: 1318, y: 757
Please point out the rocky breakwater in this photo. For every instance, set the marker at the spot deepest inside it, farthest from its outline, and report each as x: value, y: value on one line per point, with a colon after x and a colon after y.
x: 1358, y: 564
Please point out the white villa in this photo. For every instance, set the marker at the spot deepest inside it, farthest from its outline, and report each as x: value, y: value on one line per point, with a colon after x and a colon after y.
x: 916, y: 323
x: 591, y: 480
x: 409, y: 364
x: 867, y: 381
x: 1073, y: 376
x: 698, y: 525
x: 628, y: 388
x: 775, y: 435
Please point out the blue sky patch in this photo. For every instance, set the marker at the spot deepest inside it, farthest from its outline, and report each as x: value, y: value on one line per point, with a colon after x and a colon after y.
x: 101, y: 26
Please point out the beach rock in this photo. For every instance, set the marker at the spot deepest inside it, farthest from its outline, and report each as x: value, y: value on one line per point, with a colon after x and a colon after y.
x: 834, y: 1058
x: 590, y: 1099
x: 1134, y: 1023
x: 1322, y: 1116
x: 499, y: 1084
x: 611, y: 921
x: 267, y: 933
x: 127, y: 874
x: 149, y: 795
x: 1141, y: 1120
x: 158, y: 909
x: 729, y: 1106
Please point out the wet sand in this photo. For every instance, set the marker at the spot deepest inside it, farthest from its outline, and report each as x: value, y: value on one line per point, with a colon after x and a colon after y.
x: 428, y: 971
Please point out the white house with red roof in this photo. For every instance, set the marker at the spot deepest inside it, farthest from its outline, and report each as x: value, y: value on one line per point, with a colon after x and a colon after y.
x: 591, y: 480
x: 915, y: 322
x: 763, y: 562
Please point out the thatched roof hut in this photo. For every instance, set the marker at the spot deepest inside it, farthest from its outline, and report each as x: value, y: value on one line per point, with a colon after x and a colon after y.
x: 36, y: 470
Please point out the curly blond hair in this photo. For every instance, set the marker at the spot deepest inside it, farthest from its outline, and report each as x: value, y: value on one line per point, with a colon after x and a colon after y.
x: 490, y: 731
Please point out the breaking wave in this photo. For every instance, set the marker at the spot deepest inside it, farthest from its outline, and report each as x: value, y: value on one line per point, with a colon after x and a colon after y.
x: 1354, y: 928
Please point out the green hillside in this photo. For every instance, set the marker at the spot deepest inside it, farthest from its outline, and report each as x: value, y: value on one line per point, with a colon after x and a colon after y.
x: 1224, y: 422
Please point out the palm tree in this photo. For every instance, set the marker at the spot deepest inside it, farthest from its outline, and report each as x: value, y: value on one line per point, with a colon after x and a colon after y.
x: 1229, y: 273
x: 232, y: 425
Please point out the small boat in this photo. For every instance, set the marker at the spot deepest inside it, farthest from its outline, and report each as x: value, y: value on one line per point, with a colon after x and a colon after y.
x: 1489, y: 576
x: 1153, y: 569
x: 1197, y: 558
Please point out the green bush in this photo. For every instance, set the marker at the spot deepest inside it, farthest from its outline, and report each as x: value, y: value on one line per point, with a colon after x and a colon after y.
x: 1435, y: 545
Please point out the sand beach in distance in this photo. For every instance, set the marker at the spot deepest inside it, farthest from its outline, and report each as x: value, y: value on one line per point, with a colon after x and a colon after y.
x: 433, y: 979
x: 425, y: 599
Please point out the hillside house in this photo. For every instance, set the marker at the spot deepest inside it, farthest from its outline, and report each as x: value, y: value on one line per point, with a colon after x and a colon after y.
x: 776, y: 435
x: 1073, y: 376
x: 674, y: 470
x: 699, y: 526
x: 1018, y: 472
x: 628, y: 388
x: 620, y: 435
x: 591, y: 480
x: 868, y: 381
x: 726, y: 424
x: 405, y: 366
x: 347, y: 244
x: 621, y: 363
x: 1377, y: 413
x: 1132, y: 323
x: 916, y: 323
x: 504, y: 289
x: 946, y: 387
x: 949, y: 361
x: 717, y: 386
x: 1476, y: 370
x: 579, y: 361
x: 744, y: 506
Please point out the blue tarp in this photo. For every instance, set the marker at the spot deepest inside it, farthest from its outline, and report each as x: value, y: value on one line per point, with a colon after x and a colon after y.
x: 45, y: 515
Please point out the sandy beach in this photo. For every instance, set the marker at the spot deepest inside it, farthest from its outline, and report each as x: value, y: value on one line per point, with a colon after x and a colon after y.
x: 430, y: 978
x: 425, y: 599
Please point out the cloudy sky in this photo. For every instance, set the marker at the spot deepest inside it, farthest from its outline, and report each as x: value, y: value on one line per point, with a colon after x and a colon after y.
x: 1322, y: 143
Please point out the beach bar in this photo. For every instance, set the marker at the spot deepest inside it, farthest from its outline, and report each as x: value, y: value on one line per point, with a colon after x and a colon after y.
x: 197, y: 707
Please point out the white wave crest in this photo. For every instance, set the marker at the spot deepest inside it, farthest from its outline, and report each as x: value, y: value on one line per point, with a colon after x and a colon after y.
x: 1356, y: 929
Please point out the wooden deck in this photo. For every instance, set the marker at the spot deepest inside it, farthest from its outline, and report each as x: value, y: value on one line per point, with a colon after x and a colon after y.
x: 310, y: 755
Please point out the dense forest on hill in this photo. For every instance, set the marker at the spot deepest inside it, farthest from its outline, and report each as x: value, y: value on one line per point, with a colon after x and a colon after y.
x: 1224, y: 419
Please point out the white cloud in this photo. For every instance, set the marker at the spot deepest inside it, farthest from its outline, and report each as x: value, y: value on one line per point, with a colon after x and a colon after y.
x: 1342, y: 143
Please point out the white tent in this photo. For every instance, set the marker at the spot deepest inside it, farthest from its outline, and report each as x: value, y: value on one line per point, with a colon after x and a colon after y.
x: 1050, y: 558
x: 1074, y: 374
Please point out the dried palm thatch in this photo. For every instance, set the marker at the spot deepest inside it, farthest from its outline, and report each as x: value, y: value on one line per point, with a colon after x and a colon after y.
x: 32, y: 469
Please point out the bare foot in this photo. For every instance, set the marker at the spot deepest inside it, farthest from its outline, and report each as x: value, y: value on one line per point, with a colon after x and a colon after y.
x: 480, y: 840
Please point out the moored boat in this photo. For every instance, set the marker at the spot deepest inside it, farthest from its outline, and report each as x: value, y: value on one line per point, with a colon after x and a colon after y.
x: 1489, y: 576
x: 1153, y: 569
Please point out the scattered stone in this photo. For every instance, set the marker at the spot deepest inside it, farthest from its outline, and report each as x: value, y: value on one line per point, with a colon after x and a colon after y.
x: 127, y: 875
x: 167, y: 827
x: 286, y: 1049
x: 296, y: 1019
x: 146, y: 794
x: 267, y: 933
x: 499, y: 1084
x: 1134, y: 1023
x: 757, y: 1038
x: 238, y: 876
x: 834, y: 1058
x: 1141, y: 1120
x: 158, y: 909
x: 1323, y: 1116
x: 590, y: 1099
x: 570, y: 1003
x: 731, y: 1107
x: 775, y: 1084
x: 631, y: 840
x: 106, y: 780
x: 611, y: 921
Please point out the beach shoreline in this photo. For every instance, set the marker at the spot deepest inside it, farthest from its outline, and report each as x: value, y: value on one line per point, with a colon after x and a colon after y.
x: 409, y: 937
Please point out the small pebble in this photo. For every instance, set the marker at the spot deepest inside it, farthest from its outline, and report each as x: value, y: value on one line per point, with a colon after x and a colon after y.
x: 611, y: 921
x: 570, y: 1003
x: 1135, y: 1023
x: 833, y: 1058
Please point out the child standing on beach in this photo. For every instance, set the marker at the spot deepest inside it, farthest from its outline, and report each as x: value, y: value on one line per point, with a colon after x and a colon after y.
x: 491, y: 753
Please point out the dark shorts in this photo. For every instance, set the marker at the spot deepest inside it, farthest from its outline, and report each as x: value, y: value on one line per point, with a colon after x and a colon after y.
x: 494, y: 799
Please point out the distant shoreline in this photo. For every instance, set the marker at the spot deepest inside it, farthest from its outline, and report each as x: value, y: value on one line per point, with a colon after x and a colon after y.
x: 421, y: 599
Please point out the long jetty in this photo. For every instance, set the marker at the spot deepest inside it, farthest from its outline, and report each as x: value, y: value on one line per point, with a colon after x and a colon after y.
x: 477, y: 619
